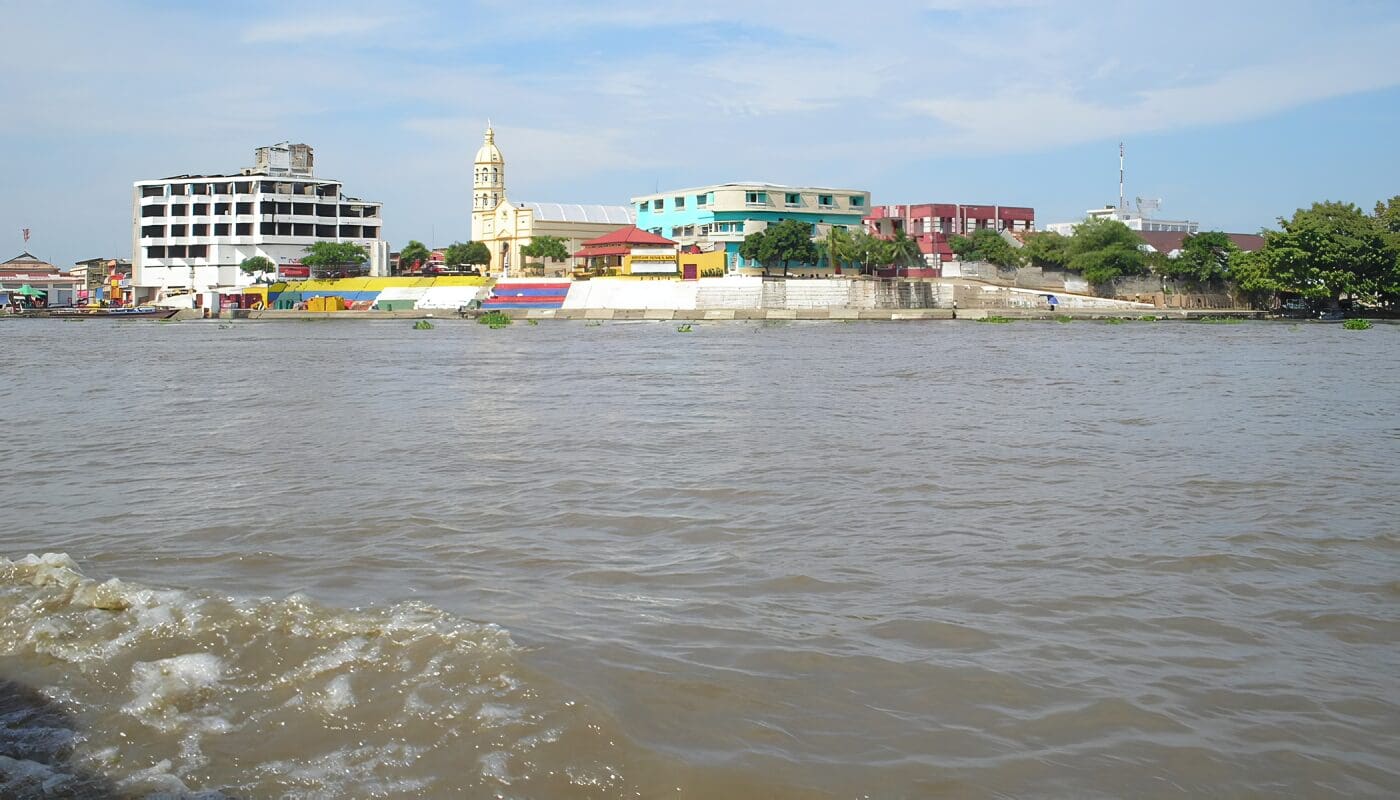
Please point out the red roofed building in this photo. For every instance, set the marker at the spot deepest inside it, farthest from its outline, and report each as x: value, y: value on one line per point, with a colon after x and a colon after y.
x: 613, y: 250
x: 932, y: 224
x: 1170, y: 242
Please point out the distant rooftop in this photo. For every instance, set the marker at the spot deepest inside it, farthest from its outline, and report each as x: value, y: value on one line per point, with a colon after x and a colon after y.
x: 750, y: 185
x: 576, y: 212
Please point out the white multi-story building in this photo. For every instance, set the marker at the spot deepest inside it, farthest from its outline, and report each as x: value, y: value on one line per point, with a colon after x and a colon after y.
x: 191, y: 232
x: 1139, y: 220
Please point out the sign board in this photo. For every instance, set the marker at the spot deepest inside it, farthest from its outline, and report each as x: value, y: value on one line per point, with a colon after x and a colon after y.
x: 285, y: 271
x: 653, y: 264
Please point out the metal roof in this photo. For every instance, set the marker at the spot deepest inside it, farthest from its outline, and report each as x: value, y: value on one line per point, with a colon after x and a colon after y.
x: 576, y: 212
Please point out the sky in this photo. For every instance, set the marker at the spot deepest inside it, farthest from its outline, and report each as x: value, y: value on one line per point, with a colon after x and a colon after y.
x: 1232, y: 113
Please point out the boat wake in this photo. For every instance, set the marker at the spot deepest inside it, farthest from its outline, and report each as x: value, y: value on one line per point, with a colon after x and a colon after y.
x: 118, y: 689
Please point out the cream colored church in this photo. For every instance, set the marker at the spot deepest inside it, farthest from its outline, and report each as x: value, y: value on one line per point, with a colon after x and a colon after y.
x: 505, y: 227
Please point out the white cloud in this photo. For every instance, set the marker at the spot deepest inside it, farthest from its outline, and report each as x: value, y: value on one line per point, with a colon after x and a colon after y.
x: 314, y: 27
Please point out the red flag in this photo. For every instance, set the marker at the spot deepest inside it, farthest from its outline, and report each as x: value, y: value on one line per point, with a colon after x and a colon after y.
x: 26, y: 235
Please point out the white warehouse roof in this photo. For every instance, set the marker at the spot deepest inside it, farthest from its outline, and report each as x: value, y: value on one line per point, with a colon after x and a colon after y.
x: 576, y: 212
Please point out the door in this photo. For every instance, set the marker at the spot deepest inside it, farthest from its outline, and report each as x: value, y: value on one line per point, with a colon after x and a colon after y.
x: 689, y: 272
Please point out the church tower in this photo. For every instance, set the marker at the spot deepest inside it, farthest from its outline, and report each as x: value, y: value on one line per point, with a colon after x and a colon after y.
x: 488, y: 186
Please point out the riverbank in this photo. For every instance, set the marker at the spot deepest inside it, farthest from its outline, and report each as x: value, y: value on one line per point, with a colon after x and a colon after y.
x: 760, y: 314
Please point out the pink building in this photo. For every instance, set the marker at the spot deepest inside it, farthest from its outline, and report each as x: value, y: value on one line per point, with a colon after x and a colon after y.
x: 931, y: 225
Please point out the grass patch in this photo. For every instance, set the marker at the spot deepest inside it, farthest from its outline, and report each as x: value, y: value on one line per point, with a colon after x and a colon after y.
x: 496, y: 319
x: 1357, y: 325
x: 996, y: 320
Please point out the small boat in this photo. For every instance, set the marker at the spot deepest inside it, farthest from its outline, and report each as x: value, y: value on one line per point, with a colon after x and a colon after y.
x: 94, y: 312
x: 1331, y: 316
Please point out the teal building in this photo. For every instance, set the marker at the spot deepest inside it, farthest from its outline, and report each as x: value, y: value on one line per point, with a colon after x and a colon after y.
x: 719, y: 217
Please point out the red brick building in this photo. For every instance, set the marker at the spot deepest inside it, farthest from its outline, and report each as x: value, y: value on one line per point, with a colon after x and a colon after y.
x: 931, y: 224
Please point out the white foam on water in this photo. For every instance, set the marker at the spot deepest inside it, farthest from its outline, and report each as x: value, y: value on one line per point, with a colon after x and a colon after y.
x: 176, y: 691
x: 338, y: 695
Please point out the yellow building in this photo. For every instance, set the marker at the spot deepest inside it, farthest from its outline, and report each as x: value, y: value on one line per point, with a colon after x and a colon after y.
x: 505, y: 227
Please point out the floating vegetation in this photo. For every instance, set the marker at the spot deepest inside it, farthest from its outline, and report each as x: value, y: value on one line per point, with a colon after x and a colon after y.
x: 496, y: 319
x: 683, y: 328
x: 1147, y: 318
x: 1357, y: 324
x: 1064, y: 318
x: 593, y: 323
x: 1114, y: 321
x: 1221, y: 320
x: 532, y: 322
x: 422, y: 325
x: 996, y: 320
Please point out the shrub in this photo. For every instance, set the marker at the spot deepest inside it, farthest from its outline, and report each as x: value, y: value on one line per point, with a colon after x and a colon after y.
x: 495, y: 319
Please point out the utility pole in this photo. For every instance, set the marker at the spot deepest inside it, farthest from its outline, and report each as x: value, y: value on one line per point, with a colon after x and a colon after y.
x: 1122, y: 203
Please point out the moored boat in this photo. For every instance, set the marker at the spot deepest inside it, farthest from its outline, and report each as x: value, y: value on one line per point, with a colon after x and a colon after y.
x: 79, y: 312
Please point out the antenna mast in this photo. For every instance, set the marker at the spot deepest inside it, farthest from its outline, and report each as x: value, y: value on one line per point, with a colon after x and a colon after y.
x: 1122, y: 203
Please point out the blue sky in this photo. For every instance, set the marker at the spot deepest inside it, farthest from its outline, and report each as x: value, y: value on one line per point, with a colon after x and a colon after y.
x: 1234, y: 113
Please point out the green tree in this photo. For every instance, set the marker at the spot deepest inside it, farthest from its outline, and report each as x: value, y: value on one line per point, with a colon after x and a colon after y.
x: 332, y: 256
x: 987, y: 245
x: 1388, y: 214
x: 905, y: 250
x: 1204, y: 257
x: 1047, y: 250
x: 837, y: 248
x: 546, y: 247
x: 782, y: 243
x: 1331, y: 250
x: 1253, y: 277
x: 752, y: 248
x: 871, y: 251
x: 469, y: 254
x: 415, y: 252
x: 1104, y: 249
x: 257, y: 264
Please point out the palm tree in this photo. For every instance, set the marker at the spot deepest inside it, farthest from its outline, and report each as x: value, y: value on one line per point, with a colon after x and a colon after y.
x: 905, y: 250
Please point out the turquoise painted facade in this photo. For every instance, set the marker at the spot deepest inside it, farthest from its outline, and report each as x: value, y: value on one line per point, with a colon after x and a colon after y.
x: 718, y: 217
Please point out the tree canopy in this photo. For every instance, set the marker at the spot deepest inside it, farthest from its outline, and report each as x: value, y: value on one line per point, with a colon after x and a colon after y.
x: 1047, y: 250
x: 459, y: 254
x: 1330, y: 250
x: 1104, y: 249
x: 1204, y: 257
x: 415, y: 252
x: 542, y: 247
x: 255, y: 264
x: 781, y: 243
x: 987, y: 245
x: 335, y: 254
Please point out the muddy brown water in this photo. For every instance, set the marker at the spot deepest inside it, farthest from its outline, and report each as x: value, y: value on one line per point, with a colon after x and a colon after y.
x: 754, y: 560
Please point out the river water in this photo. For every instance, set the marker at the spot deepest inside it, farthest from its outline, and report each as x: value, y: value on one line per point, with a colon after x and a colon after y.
x: 335, y: 559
